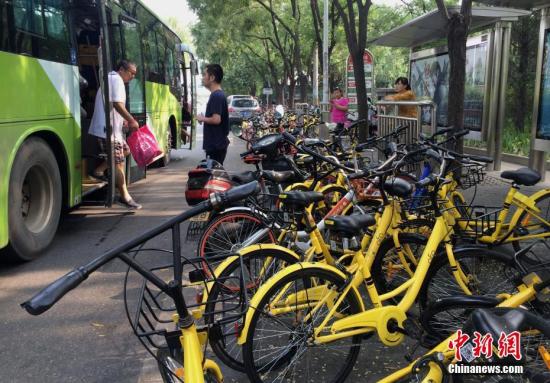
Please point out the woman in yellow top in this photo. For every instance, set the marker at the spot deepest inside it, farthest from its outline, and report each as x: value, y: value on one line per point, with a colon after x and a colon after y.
x: 403, y: 93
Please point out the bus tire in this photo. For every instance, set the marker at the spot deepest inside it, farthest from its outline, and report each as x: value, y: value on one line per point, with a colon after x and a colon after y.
x: 34, y: 200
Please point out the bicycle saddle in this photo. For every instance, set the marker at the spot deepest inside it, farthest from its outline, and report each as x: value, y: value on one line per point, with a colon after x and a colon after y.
x: 398, y: 187
x: 312, y: 141
x: 278, y: 176
x: 244, y: 177
x: 349, y: 226
x: 300, y: 199
x: 522, y: 176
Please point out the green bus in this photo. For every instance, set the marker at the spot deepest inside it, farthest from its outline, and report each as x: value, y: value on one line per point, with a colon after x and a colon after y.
x: 54, y: 57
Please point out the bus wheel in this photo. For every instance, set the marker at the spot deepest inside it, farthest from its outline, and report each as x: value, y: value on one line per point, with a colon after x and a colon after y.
x: 34, y: 200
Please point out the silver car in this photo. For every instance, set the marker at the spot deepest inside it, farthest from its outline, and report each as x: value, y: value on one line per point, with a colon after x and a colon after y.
x: 241, y: 108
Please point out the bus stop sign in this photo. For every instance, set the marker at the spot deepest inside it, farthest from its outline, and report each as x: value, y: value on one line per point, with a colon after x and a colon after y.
x: 351, y: 90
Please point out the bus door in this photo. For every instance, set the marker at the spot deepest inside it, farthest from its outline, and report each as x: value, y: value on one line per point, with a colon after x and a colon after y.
x: 194, y: 72
x: 131, y: 49
x: 186, y: 104
x: 189, y: 95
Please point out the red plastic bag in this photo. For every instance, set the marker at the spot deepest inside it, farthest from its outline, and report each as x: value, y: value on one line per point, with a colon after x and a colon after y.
x: 144, y: 146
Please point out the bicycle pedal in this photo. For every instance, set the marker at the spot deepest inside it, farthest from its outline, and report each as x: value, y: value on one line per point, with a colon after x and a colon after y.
x: 429, y: 341
x: 409, y: 356
x: 413, y: 328
x: 197, y: 275
x: 215, y: 333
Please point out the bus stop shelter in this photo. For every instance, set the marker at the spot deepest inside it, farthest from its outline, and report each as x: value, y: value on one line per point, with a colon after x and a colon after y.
x: 496, y: 24
x: 540, y: 136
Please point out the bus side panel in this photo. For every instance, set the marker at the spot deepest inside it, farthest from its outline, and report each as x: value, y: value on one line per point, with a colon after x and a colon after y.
x: 161, y: 104
x: 38, y: 96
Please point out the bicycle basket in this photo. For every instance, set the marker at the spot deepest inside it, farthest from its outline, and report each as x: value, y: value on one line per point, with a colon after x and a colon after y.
x: 476, y: 221
x: 472, y: 175
x: 150, y: 311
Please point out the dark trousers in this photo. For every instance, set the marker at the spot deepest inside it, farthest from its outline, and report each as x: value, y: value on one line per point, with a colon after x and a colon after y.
x: 217, y: 155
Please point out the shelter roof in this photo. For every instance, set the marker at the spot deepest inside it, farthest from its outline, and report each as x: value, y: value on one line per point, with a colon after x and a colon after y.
x: 432, y: 26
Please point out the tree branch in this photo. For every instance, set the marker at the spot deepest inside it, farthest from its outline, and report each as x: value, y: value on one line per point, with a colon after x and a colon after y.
x: 442, y: 9
x: 274, y: 15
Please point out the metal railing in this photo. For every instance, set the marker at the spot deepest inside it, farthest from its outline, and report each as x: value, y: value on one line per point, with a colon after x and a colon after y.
x: 424, y: 122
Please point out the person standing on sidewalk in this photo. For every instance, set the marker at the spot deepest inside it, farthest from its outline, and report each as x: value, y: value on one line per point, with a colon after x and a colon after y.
x: 403, y: 92
x: 338, y: 108
x: 216, y: 118
x: 120, y: 118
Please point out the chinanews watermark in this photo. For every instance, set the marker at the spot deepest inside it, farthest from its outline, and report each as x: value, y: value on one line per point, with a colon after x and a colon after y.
x: 507, y: 349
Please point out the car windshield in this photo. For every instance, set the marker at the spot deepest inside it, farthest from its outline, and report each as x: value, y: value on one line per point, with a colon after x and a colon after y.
x: 244, y: 103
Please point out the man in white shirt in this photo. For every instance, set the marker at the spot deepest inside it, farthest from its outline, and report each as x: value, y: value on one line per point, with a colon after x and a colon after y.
x: 125, y: 72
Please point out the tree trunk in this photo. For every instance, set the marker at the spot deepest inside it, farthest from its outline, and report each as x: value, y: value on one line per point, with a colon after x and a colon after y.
x: 303, y: 87
x: 291, y: 92
x: 278, y: 92
x: 520, y: 103
x: 457, y: 34
x: 362, y: 102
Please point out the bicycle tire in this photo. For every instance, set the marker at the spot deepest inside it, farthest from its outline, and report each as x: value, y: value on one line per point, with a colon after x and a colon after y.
x: 223, y: 235
x: 387, y: 265
x: 220, y: 293
x: 485, y: 267
x: 543, y: 203
x: 297, y: 348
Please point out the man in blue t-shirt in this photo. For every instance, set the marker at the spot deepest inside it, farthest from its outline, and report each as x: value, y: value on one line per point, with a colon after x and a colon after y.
x: 216, y: 119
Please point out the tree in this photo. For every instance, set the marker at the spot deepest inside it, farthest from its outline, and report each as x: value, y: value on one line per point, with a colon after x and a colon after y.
x: 523, y: 53
x: 354, y: 15
x: 458, y: 26
x: 183, y: 33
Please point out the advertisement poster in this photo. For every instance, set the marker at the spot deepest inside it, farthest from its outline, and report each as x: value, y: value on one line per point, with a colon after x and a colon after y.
x: 351, y: 91
x: 430, y: 80
x: 543, y: 126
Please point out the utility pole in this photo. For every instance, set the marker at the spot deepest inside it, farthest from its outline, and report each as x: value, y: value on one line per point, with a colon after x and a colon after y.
x: 325, y: 103
x: 316, y: 76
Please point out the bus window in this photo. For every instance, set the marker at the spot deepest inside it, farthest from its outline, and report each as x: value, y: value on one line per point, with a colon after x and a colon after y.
x: 132, y: 51
x: 29, y: 16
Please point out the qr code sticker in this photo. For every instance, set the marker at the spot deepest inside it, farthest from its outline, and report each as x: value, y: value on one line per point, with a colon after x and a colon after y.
x: 467, y: 352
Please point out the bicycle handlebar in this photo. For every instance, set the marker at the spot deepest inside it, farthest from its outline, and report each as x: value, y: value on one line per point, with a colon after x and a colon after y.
x: 52, y: 293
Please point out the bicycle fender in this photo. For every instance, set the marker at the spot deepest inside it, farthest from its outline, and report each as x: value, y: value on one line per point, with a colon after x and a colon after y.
x: 276, y: 278
x: 245, y: 252
x: 243, y: 209
x: 298, y: 186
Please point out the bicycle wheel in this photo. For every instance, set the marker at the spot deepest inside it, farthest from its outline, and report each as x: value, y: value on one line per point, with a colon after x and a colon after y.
x: 488, y: 273
x: 227, y: 300
x: 529, y: 225
x: 332, y: 195
x: 444, y: 317
x: 390, y: 269
x: 225, y: 234
x: 280, y: 346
